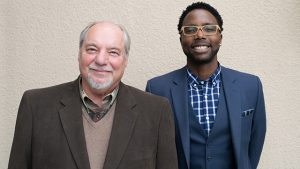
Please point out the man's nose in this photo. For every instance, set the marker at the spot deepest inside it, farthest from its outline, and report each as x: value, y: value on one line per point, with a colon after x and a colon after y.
x: 101, y: 58
x: 199, y: 34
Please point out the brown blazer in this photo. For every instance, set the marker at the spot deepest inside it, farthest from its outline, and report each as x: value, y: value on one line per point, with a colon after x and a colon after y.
x: 49, y: 132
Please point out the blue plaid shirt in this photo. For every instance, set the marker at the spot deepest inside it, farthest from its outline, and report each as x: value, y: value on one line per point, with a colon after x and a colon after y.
x: 204, y: 97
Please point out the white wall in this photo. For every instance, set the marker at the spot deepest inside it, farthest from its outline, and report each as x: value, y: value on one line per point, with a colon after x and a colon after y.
x: 39, y: 45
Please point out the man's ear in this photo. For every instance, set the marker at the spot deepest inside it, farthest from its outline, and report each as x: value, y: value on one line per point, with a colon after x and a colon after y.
x: 79, y: 54
x: 125, y: 61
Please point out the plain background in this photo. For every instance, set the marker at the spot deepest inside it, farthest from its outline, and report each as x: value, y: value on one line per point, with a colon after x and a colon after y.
x: 39, y: 48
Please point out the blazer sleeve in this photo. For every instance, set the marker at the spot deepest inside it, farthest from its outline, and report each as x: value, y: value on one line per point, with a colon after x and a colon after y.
x: 166, y: 151
x: 258, y: 128
x: 20, y: 156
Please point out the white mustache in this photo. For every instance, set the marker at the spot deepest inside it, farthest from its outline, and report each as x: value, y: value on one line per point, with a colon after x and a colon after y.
x: 101, y: 68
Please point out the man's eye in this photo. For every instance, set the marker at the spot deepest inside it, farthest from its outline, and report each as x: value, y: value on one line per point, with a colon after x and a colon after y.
x: 190, y: 29
x: 114, y: 53
x: 91, y: 50
x: 209, y: 29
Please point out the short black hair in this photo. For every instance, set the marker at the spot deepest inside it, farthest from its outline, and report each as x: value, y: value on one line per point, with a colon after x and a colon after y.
x: 200, y: 5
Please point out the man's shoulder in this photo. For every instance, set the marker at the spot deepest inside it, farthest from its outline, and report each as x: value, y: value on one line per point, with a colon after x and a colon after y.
x: 51, y: 91
x: 147, y: 105
x: 245, y: 81
x: 238, y: 74
x: 170, y: 75
x: 142, y: 96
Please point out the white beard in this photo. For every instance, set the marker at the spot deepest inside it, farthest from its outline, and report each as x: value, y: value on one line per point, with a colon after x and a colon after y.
x: 99, y: 86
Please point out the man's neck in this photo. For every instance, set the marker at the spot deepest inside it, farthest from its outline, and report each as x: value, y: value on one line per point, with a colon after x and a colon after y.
x: 203, y: 71
x: 97, y: 96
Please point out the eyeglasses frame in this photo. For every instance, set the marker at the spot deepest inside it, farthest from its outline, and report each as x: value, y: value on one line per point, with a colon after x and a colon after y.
x: 199, y: 28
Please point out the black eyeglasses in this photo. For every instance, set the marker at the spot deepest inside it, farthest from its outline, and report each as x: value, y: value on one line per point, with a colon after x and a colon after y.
x: 206, y: 30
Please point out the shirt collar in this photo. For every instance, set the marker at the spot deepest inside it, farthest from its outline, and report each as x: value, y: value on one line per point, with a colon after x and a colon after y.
x: 214, y: 78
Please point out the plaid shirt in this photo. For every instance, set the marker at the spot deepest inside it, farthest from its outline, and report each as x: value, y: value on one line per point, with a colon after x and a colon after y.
x: 204, y: 97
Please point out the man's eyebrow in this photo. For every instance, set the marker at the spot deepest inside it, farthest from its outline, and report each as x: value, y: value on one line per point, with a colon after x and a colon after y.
x: 114, y: 48
x: 91, y: 44
x: 206, y: 23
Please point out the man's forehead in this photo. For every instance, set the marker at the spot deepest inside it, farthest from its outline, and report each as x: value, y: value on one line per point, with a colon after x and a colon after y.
x: 106, y: 27
x: 105, y: 46
x: 110, y: 34
x: 202, y: 15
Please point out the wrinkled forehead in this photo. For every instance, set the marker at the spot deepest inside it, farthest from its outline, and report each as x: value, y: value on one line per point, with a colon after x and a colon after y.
x: 105, y: 33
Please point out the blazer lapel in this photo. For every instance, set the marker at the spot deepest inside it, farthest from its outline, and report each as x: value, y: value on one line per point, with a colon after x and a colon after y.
x: 179, y: 98
x: 233, y: 100
x: 71, y: 119
x: 123, y: 125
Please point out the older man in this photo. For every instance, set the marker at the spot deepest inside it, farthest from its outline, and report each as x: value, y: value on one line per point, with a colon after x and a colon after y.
x: 95, y: 121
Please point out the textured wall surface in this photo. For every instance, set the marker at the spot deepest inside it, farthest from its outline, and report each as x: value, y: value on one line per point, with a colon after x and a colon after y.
x: 39, y: 46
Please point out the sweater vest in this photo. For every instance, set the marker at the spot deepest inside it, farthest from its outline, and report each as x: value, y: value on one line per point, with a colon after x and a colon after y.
x: 97, y: 137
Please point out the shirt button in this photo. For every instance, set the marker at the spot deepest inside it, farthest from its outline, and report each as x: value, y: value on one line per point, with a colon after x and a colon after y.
x: 202, y: 82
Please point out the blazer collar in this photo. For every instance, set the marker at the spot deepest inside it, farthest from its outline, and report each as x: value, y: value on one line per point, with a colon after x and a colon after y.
x: 71, y: 119
x: 233, y: 101
x: 123, y: 125
x: 179, y: 96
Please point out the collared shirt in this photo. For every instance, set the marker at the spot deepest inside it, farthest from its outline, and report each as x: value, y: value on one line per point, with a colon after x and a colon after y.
x: 94, y: 111
x: 204, y: 97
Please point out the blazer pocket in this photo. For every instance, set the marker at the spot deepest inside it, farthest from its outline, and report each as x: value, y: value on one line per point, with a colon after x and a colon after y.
x: 247, y: 112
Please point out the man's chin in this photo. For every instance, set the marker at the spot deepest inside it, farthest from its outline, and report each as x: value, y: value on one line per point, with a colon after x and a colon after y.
x: 99, y: 84
x: 200, y: 61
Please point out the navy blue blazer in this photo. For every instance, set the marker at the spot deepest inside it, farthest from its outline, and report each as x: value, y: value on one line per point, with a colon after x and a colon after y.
x: 245, y: 104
